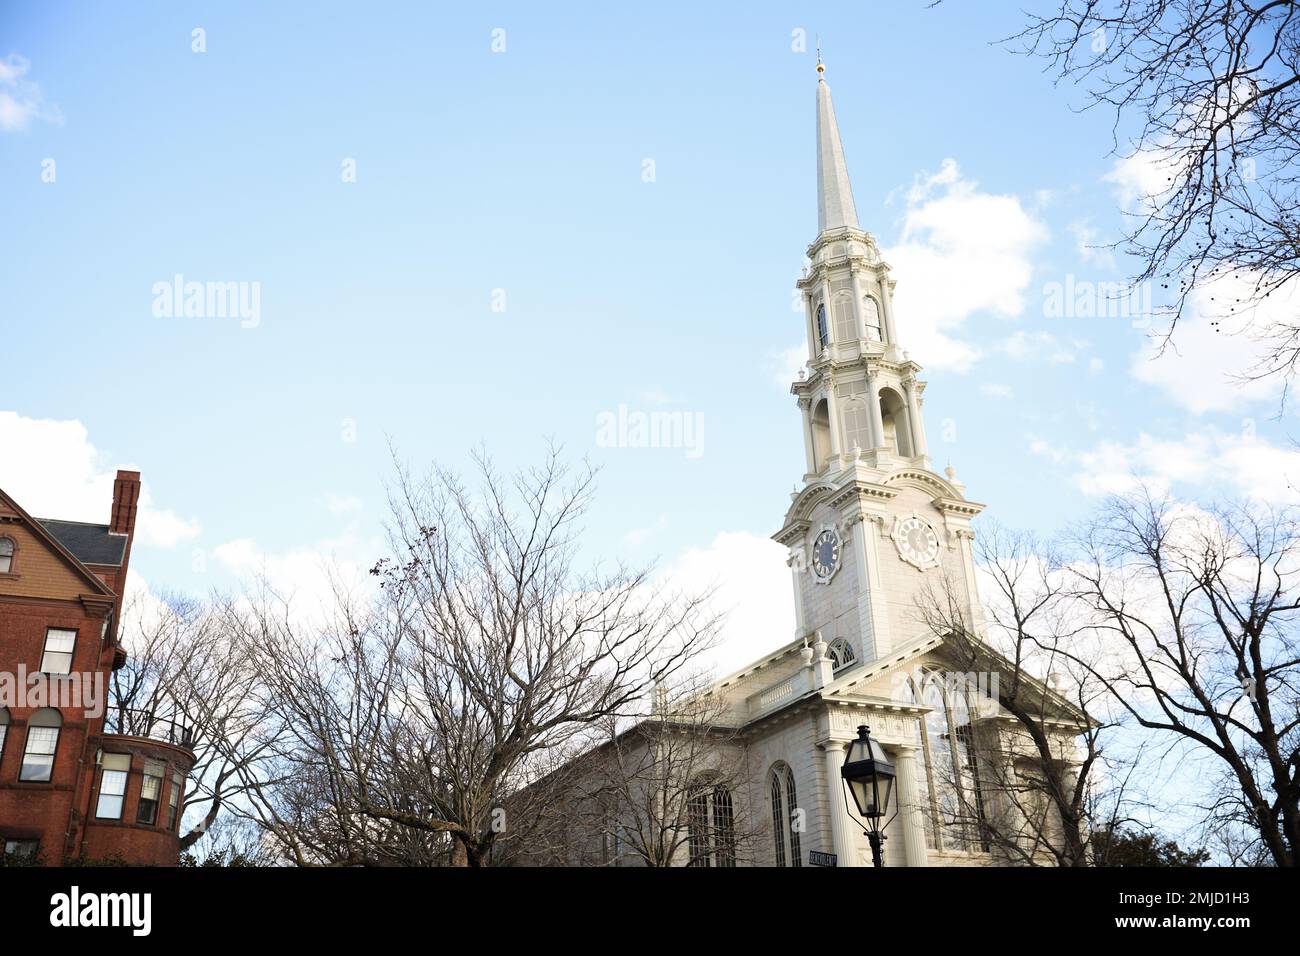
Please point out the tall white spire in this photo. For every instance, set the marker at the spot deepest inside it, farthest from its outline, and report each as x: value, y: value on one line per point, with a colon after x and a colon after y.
x: 835, y: 208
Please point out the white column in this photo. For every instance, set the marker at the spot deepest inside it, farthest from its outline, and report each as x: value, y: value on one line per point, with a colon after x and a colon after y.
x: 910, y: 811
x: 810, y: 323
x: 805, y: 406
x: 887, y: 304
x: 796, y: 563
x: 873, y: 407
x: 914, y: 419
x: 832, y: 413
x: 843, y: 832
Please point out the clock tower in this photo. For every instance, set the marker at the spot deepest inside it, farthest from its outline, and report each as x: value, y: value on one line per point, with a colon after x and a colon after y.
x: 873, y: 526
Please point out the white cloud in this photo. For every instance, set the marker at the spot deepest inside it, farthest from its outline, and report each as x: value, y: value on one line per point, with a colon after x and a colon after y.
x: 1089, y: 245
x: 638, y: 536
x: 962, y: 251
x: 786, y: 364
x: 305, y: 576
x: 996, y: 390
x: 1204, y: 367
x: 52, y: 470
x: 1208, y: 461
x: 1042, y: 346
x: 342, y: 504
x: 21, y: 100
x: 753, y: 587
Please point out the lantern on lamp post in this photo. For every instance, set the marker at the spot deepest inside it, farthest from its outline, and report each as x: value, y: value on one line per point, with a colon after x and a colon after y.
x: 870, y: 779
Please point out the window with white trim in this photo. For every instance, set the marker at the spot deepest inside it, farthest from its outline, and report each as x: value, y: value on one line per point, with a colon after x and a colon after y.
x: 952, y: 766
x: 174, y: 802
x: 871, y: 319
x: 4, y: 729
x: 113, y: 773
x: 823, y: 332
x: 841, y: 653
x: 150, y: 792
x: 59, y: 645
x: 42, y: 744
x: 712, y: 829
x: 6, y: 555
x: 785, y: 816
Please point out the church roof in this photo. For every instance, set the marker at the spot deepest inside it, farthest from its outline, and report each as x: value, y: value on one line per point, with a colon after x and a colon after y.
x: 835, y: 209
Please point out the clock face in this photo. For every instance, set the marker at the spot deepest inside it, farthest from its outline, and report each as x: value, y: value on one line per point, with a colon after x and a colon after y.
x: 916, y: 541
x: 826, y: 553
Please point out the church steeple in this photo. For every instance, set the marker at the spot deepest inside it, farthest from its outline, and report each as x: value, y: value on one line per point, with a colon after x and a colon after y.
x: 835, y: 209
x: 859, y: 391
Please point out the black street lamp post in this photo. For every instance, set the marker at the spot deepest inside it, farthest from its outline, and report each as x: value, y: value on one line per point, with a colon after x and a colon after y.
x: 870, y: 778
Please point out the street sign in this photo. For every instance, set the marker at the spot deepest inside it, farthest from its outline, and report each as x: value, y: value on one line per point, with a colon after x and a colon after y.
x: 816, y: 858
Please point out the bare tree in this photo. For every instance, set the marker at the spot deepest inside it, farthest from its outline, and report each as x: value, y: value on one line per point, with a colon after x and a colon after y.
x: 670, y: 789
x: 1035, y: 797
x: 186, y: 681
x: 1209, y: 92
x: 409, y: 721
x: 1202, y: 610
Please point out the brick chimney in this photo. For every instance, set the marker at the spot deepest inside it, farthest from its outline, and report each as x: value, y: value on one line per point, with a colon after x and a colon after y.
x: 126, y: 494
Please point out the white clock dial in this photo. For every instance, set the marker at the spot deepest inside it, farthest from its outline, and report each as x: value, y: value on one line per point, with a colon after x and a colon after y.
x: 916, y: 541
x: 826, y: 554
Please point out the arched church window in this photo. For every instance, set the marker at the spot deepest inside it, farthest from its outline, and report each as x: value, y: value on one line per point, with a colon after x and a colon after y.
x: 785, y: 836
x: 943, y: 765
x: 857, y: 425
x: 823, y: 333
x: 871, y: 318
x: 963, y: 711
x: 841, y: 653
x: 846, y: 323
x: 710, y: 820
x: 792, y: 807
x: 924, y: 784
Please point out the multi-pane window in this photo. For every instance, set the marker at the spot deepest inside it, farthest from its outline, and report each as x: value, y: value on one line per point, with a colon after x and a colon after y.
x: 57, y: 658
x: 6, y: 555
x: 42, y: 743
x: 823, y: 332
x: 785, y: 817
x: 710, y: 818
x: 150, y: 792
x: 778, y: 820
x: 173, y: 802
x: 21, y: 848
x: 841, y: 653
x: 112, y: 786
x: 951, y: 760
x: 4, y: 729
x: 792, y: 809
x: 871, y: 318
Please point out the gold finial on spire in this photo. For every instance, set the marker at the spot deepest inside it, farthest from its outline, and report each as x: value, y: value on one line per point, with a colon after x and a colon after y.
x: 821, y: 68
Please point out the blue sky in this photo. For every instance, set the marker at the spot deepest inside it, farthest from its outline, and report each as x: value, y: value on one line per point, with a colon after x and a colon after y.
x: 521, y: 173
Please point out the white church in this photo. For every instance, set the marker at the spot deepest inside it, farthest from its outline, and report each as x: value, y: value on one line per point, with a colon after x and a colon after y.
x: 871, y: 529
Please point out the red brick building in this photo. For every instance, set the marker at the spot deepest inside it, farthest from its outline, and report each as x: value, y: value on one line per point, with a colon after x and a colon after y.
x: 69, y: 790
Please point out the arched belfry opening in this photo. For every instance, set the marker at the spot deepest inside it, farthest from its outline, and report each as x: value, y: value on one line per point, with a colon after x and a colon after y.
x: 821, y: 436
x: 898, y: 430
